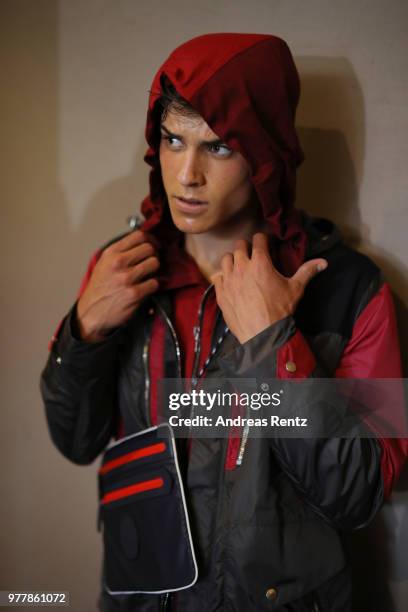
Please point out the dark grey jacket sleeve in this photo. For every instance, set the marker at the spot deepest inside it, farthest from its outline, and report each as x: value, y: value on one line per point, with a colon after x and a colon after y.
x: 78, y: 386
x: 340, y: 478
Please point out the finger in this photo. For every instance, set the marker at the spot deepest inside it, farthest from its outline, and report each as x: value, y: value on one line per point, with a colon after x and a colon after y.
x: 260, y: 243
x: 144, y: 289
x: 137, y: 254
x: 129, y: 241
x: 241, y: 249
x: 143, y: 269
x: 308, y: 270
x: 227, y: 263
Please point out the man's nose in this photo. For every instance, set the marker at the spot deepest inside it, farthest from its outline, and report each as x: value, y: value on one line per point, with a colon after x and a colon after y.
x: 191, y: 171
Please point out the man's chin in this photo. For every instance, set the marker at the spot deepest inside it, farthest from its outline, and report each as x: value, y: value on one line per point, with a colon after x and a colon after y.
x: 191, y: 225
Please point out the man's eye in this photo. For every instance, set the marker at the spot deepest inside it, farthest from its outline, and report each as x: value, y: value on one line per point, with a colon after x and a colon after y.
x: 172, y: 141
x: 220, y: 150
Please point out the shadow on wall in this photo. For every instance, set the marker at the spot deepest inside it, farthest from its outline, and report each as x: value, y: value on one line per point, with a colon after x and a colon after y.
x: 328, y: 186
x: 107, y: 211
x: 330, y: 178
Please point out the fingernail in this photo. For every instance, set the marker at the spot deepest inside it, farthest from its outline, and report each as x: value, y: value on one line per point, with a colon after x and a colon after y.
x: 321, y: 266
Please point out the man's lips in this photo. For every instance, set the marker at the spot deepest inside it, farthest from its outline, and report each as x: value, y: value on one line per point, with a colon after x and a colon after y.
x: 190, y: 205
x: 192, y: 200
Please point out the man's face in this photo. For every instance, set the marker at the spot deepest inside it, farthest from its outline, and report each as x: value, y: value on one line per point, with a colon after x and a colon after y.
x: 196, y: 165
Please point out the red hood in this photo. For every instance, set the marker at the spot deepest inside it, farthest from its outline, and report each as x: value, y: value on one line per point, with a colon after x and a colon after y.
x: 246, y: 87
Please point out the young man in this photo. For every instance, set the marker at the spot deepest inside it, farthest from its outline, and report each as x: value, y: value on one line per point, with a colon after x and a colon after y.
x: 289, y: 301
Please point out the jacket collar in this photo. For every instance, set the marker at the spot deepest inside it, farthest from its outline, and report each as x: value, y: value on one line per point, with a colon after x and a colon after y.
x: 178, y: 269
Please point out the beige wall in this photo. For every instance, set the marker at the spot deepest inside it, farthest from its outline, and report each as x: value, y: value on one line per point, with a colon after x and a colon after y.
x: 74, y: 81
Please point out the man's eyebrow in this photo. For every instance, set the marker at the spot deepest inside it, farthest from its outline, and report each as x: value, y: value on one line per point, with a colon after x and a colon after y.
x: 217, y: 141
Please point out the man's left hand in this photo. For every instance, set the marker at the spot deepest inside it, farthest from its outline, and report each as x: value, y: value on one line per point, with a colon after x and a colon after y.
x: 250, y: 291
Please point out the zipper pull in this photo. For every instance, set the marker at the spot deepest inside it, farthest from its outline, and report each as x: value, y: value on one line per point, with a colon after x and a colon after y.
x: 196, y: 335
x: 243, y: 444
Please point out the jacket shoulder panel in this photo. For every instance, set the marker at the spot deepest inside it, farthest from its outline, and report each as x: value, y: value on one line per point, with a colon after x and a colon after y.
x: 334, y: 298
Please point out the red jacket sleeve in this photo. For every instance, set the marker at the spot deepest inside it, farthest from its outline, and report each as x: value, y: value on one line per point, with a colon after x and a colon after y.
x: 373, y: 352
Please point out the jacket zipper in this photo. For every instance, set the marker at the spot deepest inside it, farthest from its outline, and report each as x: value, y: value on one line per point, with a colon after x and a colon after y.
x: 197, y: 336
x: 197, y: 343
x: 145, y: 358
x: 194, y: 376
x: 173, y: 333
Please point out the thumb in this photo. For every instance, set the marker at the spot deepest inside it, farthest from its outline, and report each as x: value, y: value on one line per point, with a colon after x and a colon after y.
x: 308, y: 270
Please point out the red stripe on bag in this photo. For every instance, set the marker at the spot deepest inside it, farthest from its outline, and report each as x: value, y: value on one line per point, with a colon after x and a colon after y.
x: 147, y: 485
x: 154, y: 449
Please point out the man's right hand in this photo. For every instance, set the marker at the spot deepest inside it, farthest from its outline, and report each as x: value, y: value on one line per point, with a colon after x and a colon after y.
x: 118, y: 285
